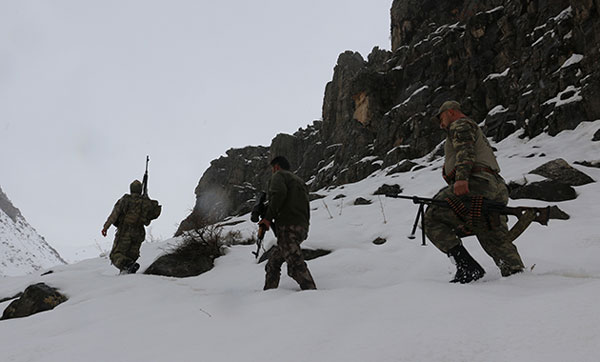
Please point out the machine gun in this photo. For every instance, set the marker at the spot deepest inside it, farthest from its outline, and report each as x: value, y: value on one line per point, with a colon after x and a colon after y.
x: 258, y: 213
x: 477, y: 211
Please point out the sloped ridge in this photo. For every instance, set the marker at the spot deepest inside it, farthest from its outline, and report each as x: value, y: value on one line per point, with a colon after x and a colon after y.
x: 22, y: 249
x: 8, y: 208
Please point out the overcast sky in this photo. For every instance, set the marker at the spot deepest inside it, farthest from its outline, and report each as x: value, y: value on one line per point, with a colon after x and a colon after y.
x: 89, y: 88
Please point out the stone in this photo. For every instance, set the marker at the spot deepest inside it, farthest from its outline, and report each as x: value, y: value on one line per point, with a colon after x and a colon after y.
x: 547, y: 190
x: 560, y: 170
x: 379, y: 241
x: 388, y: 190
x: 36, y: 298
x: 362, y: 201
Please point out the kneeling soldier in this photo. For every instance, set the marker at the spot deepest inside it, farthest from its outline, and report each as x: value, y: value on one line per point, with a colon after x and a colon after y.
x: 470, y: 168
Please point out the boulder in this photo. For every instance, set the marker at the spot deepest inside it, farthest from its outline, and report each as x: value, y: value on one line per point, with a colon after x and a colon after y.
x: 547, y: 190
x: 388, y: 190
x: 193, y: 256
x: 36, y: 298
x: 559, y: 170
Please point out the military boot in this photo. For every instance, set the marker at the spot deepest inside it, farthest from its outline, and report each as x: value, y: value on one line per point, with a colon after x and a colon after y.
x: 467, y: 268
x: 130, y: 269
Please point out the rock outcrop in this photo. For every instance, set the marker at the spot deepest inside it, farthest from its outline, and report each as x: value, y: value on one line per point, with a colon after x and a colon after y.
x: 525, y: 65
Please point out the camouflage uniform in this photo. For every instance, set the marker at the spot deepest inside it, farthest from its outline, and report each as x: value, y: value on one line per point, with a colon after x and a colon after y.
x: 468, y: 156
x: 130, y: 228
x: 289, y: 208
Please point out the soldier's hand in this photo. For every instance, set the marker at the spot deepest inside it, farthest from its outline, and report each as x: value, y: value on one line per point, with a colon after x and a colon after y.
x: 461, y: 187
x: 265, y: 223
x: 104, y: 232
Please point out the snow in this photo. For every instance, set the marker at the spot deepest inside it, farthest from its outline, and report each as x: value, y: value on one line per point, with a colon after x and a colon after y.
x: 498, y: 109
x: 497, y: 75
x: 327, y: 167
x: 574, y: 59
x: 407, y: 100
x: 495, y: 9
x: 565, y: 14
x: 559, y: 101
x: 390, y: 302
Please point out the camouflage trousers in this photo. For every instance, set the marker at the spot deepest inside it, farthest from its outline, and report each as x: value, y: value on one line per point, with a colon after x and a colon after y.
x: 442, y: 225
x: 127, y: 244
x: 289, y: 238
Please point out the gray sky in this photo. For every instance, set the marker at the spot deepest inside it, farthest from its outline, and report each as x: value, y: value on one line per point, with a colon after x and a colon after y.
x: 88, y: 88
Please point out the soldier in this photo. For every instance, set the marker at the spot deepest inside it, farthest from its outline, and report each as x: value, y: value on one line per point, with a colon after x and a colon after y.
x: 289, y: 210
x: 128, y: 215
x: 470, y: 168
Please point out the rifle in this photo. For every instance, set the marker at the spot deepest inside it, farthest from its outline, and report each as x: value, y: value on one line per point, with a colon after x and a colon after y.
x: 258, y: 212
x: 476, y: 209
x: 145, y: 180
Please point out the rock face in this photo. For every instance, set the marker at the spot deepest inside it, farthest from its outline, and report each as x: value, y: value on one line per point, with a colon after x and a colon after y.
x: 36, y: 298
x: 22, y: 249
x: 524, y: 65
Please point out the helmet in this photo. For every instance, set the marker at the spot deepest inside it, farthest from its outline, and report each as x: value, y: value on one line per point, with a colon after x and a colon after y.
x: 136, y: 187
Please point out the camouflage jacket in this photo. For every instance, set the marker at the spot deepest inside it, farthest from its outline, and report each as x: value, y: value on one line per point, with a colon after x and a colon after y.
x: 288, y: 200
x: 127, y: 210
x: 468, y: 152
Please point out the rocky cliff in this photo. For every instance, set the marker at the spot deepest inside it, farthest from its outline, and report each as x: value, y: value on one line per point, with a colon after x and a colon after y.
x: 528, y: 65
x: 22, y: 249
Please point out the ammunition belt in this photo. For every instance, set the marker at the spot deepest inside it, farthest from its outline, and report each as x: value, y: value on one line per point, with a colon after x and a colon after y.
x: 471, y: 214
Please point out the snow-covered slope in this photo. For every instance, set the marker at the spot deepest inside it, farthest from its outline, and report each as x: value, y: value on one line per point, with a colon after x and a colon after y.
x: 22, y: 249
x: 390, y: 302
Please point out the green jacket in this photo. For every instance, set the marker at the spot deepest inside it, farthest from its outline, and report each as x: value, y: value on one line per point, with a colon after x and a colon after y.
x: 467, y: 149
x: 288, y: 200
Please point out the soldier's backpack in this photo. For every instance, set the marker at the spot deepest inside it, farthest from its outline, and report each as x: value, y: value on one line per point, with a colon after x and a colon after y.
x: 152, y: 210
